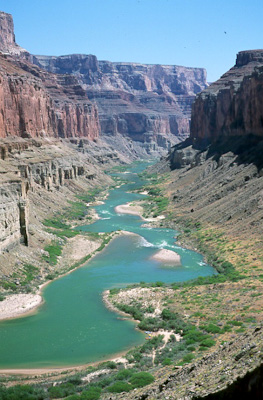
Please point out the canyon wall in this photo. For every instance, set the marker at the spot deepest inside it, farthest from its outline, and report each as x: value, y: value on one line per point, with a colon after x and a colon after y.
x: 227, y: 116
x: 150, y: 104
x: 13, y: 213
x: 135, y: 106
x: 33, y: 103
x: 232, y: 106
x: 7, y: 37
x: 40, y: 168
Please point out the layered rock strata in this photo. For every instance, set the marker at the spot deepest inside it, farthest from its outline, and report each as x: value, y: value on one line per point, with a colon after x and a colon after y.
x: 232, y: 106
x: 34, y: 104
x: 227, y: 116
x: 150, y: 104
x: 13, y: 213
x: 32, y: 170
x: 7, y: 37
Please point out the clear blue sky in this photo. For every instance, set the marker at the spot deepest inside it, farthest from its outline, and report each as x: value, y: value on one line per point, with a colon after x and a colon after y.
x: 194, y: 33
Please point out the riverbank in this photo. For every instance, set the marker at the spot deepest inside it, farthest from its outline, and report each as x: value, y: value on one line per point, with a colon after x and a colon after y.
x: 24, y: 304
x: 77, y: 249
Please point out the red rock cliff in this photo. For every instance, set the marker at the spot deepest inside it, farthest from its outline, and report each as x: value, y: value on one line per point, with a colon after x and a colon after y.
x: 150, y: 104
x: 35, y: 104
x: 233, y: 105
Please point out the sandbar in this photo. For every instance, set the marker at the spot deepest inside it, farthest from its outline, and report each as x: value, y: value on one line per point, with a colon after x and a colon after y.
x: 129, y: 209
x: 168, y: 256
x: 16, y: 305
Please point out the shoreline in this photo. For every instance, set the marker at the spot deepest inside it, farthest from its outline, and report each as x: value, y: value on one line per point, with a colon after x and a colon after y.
x: 32, y: 309
x: 46, y: 370
x: 33, y: 301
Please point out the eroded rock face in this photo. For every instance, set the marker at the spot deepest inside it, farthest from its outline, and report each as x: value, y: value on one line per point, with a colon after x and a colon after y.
x: 35, y: 166
x: 13, y: 214
x: 7, y: 37
x: 33, y: 103
x: 232, y: 106
x: 150, y: 104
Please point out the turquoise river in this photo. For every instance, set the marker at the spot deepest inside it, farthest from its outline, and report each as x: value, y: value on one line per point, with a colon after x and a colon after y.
x: 73, y: 326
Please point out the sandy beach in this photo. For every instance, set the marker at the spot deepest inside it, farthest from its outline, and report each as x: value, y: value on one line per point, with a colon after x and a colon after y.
x: 168, y: 256
x: 129, y: 209
x: 16, y: 305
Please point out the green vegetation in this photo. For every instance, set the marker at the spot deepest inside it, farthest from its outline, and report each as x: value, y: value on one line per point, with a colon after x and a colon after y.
x: 22, y: 279
x: 77, y: 210
x: 60, y: 391
x: 54, y: 250
x: 55, y: 223
x: 22, y: 392
x: 155, y: 205
x: 29, y: 272
x: 119, y: 387
x: 141, y: 379
x: 91, y: 393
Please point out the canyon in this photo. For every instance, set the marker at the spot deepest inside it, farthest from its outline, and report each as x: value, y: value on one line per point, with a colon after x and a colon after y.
x: 114, y: 111
x: 64, y: 120
x: 148, y: 104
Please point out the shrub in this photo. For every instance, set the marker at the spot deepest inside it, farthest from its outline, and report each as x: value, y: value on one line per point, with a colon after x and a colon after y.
x: 119, y: 387
x: 22, y: 392
x: 188, y: 358
x: 75, y: 380
x: 141, y: 379
x: 124, y: 374
x: 149, y: 324
x: 54, y: 250
x: 235, y: 323
x: 110, y: 364
x: 167, y: 361
x: 91, y: 393
x: 211, y: 328
x: 207, y: 343
x: 50, y: 277
x: 60, y: 391
x: 55, y: 223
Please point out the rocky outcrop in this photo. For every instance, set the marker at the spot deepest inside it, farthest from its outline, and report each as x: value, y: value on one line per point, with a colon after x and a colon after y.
x: 7, y: 37
x: 34, y: 170
x: 150, y: 104
x: 13, y: 213
x: 232, y: 106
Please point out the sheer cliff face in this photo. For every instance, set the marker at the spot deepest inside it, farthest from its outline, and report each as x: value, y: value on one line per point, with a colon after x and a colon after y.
x: 232, y: 106
x: 147, y: 103
x: 7, y: 37
x: 32, y: 104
